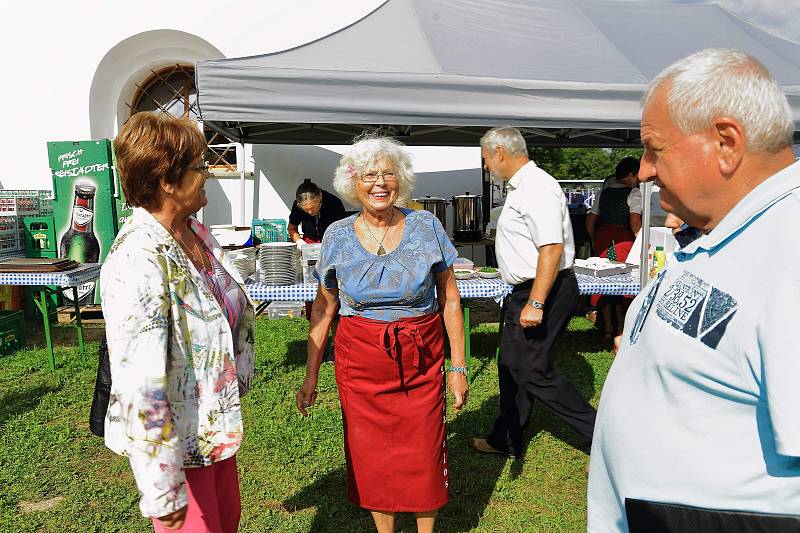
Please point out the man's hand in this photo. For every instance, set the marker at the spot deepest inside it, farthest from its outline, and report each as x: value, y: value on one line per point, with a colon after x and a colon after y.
x: 175, y: 519
x: 530, y: 317
x: 617, y: 342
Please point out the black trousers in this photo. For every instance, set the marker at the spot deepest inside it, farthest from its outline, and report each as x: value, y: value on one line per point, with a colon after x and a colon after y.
x: 525, y: 367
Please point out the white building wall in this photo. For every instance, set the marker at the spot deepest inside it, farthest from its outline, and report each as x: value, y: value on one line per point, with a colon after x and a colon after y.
x: 76, y: 67
x: 69, y: 68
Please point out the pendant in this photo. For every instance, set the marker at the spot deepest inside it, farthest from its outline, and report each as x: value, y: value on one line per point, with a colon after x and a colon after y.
x: 381, y: 250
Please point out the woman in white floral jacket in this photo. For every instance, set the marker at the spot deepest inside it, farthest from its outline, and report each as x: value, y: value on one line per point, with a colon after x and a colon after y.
x: 180, y: 334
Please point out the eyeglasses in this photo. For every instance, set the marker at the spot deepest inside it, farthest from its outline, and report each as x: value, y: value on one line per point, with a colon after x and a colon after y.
x: 372, y: 177
x: 200, y: 168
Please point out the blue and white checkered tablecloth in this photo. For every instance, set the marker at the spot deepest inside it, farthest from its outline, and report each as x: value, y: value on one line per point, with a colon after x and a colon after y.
x: 496, y: 289
x: 619, y: 285
x: 68, y: 278
x: 301, y: 292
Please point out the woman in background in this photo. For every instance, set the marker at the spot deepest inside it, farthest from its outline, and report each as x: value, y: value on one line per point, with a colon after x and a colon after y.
x: 314, y: 210
x: 612, y: 224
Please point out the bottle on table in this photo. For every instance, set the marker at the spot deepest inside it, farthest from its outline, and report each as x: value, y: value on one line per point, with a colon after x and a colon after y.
x: 660, y: 259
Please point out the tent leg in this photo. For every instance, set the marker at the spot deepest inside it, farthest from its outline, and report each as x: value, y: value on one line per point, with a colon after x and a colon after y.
x: 644, y: 268
x: 242, y: 189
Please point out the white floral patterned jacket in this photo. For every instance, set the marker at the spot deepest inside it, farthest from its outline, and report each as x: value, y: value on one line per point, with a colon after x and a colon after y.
x: 176, y: 377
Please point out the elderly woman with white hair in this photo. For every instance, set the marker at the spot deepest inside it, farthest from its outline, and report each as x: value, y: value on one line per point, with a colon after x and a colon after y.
x: 388, y: 272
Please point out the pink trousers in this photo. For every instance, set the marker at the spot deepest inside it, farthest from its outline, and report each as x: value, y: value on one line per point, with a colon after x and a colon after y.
x: 214, y: 504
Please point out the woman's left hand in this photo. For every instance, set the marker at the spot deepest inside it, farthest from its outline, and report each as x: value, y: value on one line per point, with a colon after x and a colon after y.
x: 459, y: 386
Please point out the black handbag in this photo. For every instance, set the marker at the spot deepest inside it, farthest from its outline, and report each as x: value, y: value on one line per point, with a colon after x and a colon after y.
x: 102, y: 391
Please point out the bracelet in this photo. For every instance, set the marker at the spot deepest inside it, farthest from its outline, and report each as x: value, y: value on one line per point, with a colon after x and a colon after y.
x: 458, y: 369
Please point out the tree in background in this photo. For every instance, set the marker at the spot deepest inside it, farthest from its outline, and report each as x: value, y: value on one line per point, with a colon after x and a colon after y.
x: 581, y: 163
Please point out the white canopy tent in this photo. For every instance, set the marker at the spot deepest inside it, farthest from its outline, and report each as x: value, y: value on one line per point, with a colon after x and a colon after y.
x: 440, y: 72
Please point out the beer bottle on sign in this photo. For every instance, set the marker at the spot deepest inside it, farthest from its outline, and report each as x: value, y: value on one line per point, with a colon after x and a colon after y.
x: 80, y: 243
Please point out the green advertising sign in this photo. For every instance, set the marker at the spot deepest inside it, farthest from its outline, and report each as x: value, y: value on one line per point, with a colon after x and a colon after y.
x: 88, y: 203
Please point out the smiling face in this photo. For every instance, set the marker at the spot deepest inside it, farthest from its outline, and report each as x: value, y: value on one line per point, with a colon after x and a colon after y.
x: 382, y: 194
x: 683, y: 165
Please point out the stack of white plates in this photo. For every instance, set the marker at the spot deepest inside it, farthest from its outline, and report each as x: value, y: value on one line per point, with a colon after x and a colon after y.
x: 278, y: 263
x: 244, y: 259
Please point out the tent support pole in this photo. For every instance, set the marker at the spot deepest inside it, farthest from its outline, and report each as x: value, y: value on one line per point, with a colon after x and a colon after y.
x: 242, y: 189
x: 644, y: 268
x: 256, y: 191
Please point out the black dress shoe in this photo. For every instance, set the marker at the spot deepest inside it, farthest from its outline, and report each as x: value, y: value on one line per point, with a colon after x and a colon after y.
x: 482, y: 446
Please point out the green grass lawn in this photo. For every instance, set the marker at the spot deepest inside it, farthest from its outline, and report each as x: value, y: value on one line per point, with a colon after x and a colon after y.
x: 291, y: 469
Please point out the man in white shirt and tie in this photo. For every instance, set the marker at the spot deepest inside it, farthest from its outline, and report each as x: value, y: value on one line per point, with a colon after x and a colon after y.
x: 535, y: 251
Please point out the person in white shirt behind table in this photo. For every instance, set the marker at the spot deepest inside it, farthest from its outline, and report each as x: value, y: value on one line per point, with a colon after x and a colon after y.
x: 699, y: 427
x: 535, y: 251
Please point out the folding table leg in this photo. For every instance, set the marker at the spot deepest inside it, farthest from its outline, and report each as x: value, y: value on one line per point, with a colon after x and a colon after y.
x: 467, y: 339
x: 78, y: 324
x: 42, y: 305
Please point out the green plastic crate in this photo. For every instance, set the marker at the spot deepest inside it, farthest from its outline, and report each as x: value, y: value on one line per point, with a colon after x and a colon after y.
x: 12, y: 331
x: 269, y: 230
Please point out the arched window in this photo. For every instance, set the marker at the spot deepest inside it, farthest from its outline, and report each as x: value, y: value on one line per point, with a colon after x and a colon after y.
x: 172, y: 90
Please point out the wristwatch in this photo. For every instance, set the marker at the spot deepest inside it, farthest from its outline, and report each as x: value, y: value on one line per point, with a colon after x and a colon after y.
x: 536, y: 304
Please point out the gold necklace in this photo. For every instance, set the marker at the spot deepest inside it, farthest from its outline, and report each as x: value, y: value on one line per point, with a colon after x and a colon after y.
x: 198, y: 254
x: 381, y: 249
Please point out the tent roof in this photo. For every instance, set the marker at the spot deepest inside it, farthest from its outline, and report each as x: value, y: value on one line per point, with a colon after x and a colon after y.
x: 440, y: 72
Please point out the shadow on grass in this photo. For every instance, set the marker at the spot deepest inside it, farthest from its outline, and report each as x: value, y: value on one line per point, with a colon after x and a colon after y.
x: 19, y: 402
x: 473, y: 477
x: 296, y: 354
x: 568, y: 362
x: 472, y: 483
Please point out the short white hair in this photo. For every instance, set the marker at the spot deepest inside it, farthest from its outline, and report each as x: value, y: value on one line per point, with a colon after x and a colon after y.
x: 362, y: 157
x: 509, y: 138
x: 722, y: 82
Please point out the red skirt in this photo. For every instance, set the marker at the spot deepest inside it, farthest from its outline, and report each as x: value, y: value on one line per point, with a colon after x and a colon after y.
x: 392, y: 391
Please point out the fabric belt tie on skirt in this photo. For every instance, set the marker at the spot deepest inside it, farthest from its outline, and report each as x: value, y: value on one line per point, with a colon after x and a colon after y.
x: 392, y: 332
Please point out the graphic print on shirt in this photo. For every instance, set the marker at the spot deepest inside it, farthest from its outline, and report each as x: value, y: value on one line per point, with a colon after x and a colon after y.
x: 644, y: 310
x: 697, y: 309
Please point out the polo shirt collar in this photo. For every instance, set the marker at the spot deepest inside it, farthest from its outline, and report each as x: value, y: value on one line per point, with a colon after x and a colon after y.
x: 772, y: 190
x: 516, y: 179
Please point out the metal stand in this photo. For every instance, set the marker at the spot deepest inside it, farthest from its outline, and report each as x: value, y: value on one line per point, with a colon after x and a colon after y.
x: 41, y: 303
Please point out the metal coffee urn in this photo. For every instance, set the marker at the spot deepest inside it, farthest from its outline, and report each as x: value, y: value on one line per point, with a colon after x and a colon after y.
x: 467, y: 222
x: 437, y: 206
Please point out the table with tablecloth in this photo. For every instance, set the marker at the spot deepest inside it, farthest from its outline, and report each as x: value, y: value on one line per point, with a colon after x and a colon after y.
x: 41, y: 283
x: 476, y: 288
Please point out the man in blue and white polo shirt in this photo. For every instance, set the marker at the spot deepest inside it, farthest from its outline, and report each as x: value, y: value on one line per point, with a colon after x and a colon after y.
x: 701, y: 408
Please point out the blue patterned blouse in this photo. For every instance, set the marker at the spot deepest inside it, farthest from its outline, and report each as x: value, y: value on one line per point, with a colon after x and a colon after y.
x: 397, y: 285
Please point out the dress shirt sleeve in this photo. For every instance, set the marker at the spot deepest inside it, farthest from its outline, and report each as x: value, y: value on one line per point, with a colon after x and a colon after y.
x: 635, y: 201
x: 446, y: 251
x: 325, y: 271
x: 136, y: 308
x: 596, y: 203
x: 543, y: 217
x: 780, y: 364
